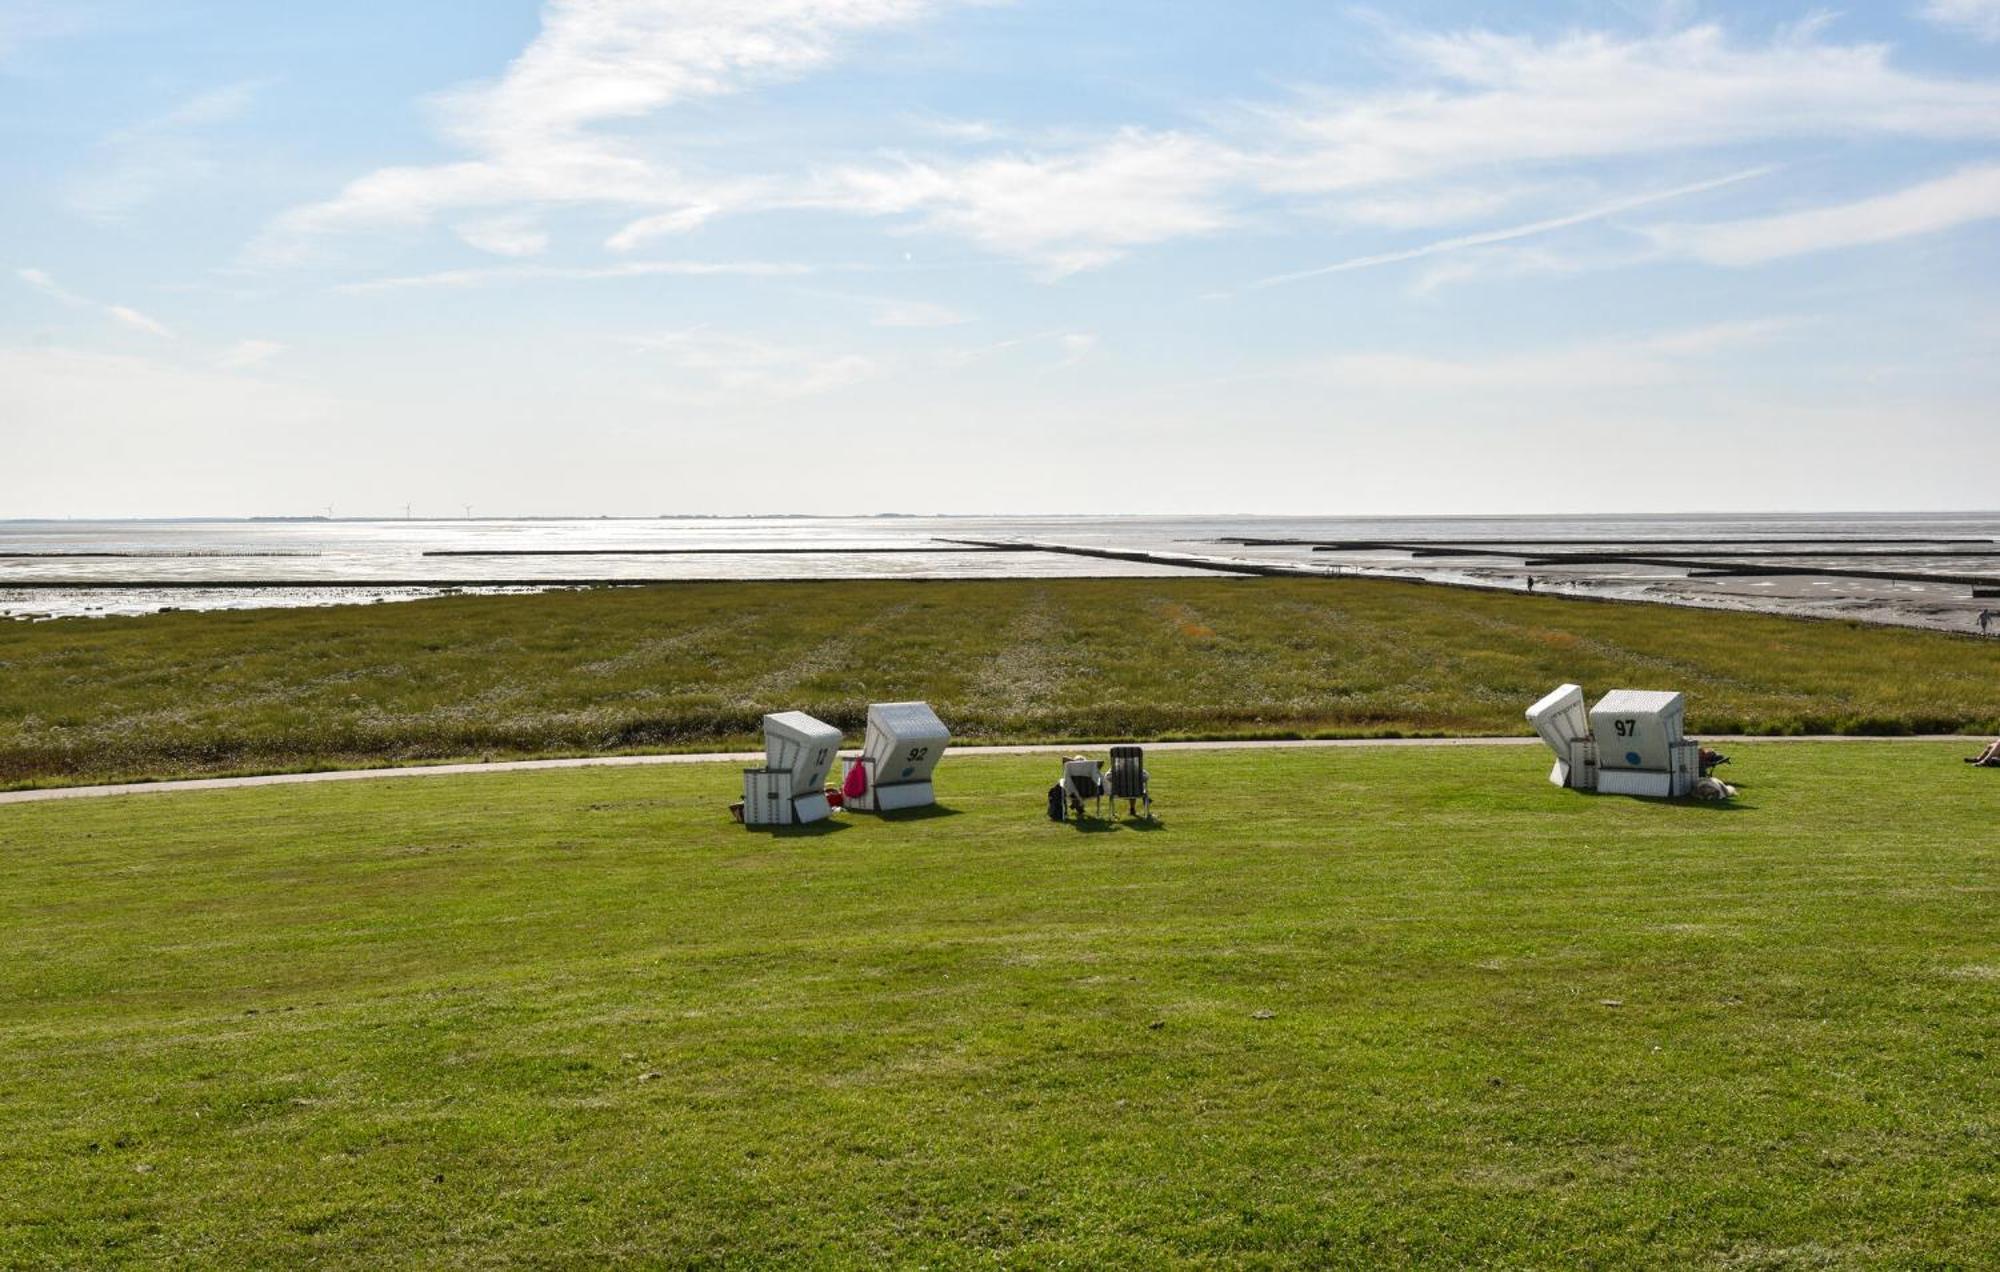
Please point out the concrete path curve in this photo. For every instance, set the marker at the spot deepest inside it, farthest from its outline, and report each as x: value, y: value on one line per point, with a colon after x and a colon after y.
x: 751, y: 757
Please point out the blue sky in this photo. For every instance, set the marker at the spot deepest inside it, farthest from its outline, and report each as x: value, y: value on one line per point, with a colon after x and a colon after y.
x: 643, y: 256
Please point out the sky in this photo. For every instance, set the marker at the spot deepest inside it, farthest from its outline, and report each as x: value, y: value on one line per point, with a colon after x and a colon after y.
x: 639, y: 257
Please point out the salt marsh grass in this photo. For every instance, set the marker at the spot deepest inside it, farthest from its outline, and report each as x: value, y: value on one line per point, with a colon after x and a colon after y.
x: 694, y: 666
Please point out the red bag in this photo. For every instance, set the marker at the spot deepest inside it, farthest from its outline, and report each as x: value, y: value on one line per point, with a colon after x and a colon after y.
x: 855, y: 785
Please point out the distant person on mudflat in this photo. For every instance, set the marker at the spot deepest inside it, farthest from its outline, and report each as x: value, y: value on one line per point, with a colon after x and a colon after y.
x: 1985, y: 618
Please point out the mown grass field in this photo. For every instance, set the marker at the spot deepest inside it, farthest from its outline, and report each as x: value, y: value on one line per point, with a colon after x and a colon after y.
x: 1349, y: 1008
x: 694, y: 667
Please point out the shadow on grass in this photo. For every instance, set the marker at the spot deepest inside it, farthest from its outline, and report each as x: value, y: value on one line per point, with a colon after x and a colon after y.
x: 811, y: 830
x: 1105, y: 825
x: 927, y: 813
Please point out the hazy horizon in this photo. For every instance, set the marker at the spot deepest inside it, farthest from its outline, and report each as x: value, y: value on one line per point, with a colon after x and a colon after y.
x: 1199, y: 515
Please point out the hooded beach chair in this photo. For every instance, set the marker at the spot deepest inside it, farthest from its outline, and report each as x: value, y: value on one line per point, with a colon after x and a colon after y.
x: 899, y: 754
x: 790, y: 788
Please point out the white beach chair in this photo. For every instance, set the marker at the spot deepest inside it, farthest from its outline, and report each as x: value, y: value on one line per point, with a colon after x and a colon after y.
x: 791, y: 787
x: 1559, y: 717
x: 899, y: 755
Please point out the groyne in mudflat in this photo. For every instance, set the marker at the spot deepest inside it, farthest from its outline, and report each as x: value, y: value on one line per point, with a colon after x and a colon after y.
x: 1219, y: 566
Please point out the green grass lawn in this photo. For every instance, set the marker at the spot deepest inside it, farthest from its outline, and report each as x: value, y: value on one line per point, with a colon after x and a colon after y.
x: 1340, y: 1007
x: 694, y: 667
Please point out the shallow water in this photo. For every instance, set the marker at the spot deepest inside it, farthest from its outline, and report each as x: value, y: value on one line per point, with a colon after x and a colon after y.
x: 211, y: 564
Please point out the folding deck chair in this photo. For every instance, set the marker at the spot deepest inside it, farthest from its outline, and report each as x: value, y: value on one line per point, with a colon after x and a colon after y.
x: 1081, y: 780
x: 1128, y: 780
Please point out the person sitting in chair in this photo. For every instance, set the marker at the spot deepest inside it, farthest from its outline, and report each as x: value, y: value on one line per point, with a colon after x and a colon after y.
x: 1989, y: 758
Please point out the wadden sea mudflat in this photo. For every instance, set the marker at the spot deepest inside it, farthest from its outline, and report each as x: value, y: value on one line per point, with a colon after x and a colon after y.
x: 695, y: 666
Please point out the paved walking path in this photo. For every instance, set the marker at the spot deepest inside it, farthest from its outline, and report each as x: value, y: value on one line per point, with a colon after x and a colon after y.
x: 749, y: 757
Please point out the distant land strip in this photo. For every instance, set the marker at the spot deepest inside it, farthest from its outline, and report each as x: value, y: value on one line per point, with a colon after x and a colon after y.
x: 194, y: 554
x: 542, y: 552
x: 1573, y: 542
x: 235, y: 585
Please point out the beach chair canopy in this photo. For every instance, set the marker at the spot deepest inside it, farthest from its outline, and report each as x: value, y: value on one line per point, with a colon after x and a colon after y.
x: 802, y: 745
x: 904, y: 742
x: 1637, y: 729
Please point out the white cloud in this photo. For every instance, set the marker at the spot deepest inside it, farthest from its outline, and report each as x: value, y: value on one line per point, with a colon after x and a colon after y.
x: 688, y: 216
x: 728, y: 367
x: 25, y: 22
x: 536, y: 136
x: 1968, y: 195
x: 1508, y: 261
x: 580, y: 273
x: 1487, y: 102
x: 138, y: 321
x: 40, y: 281
x: 1067, y: 212
x: 125, y: 314
x: 1977, y: 18
x: 1495, y: 99
x: 1717, y: 337
x: 555, y: 129
x: 248, y: 353
x: 1076, y: 346
x: 512, y: 235
x: 215, y: 106
x: 915, y: 313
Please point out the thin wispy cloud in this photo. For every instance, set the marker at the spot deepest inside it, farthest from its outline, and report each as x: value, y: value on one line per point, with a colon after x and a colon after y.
x: 1511, y: 233
x: 1971, y: 194
x: 27, y: 22
x: 490, y: 274
x: 1977, y: 18
x: 248, y: 353
x: 1621, y: 363
x: 41, y: 282
x: 705, y: 362
x: 124, y: 315
x: 171, y: 151
x: 515, y: 234
x: 138, y: 321
x: 915, y: 314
